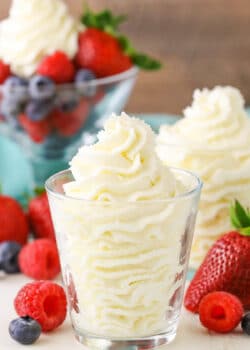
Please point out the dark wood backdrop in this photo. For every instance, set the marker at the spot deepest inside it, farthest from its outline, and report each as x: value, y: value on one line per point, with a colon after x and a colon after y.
x: 201, y: 43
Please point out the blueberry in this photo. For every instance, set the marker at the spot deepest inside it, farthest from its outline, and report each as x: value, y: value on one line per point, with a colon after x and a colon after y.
x: 67, y: 100
x: 9, y: 257
x: 41, y: 88
x: 10, y: 108
x: 245, y: 323
x: 38, y: 110
x: 16, y: 89
x: 83, y: 80
x: 25, y: 330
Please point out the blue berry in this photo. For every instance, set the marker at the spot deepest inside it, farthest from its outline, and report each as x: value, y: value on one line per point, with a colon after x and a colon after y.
x: 9, y: 252
x: 245, y: 323
x: 41, y: 88
x: 38, y: 110
x: 83, y: 82
x: 16, y: 89
x: 25, y: 330
x: 10, y: 108
x: 67, y: 100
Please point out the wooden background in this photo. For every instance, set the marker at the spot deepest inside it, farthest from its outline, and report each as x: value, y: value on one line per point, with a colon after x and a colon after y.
x: 201, y: 43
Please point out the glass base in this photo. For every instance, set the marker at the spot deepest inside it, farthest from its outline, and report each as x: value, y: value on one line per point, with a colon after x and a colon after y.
x: 94, y: 342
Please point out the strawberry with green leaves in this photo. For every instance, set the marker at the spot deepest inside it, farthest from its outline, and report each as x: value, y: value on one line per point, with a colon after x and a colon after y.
x: 104, y: 50
x: 227, y: 264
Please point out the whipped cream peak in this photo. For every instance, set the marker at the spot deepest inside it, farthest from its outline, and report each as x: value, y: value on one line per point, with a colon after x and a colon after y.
x: 35, y: 29
x: 216, y: 120
x: 122, y: 165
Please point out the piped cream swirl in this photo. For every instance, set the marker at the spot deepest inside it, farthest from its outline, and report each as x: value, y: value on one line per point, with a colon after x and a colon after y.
x: 122, y: 165
x: 212, y: 140
x: 34, y: 29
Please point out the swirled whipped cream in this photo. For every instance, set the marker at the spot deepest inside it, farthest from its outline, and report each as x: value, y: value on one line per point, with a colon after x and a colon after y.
x: 212, y: 140
x: 35, y: 29
x: 121, y: 165
x: 121, y: 247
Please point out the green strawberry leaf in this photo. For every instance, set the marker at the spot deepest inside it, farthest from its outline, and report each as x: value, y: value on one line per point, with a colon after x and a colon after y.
x: 109, y: 23
x: 104, y: 20
x: 145, y: 62
x: 240, y: 218
x: 245, y: 231
x: 39, y: 190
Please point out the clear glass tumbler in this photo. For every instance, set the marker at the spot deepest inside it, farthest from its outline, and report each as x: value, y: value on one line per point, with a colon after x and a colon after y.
x: 124, y: 263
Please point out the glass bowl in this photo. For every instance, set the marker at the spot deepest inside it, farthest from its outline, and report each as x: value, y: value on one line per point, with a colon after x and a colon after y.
x: 60, y: 124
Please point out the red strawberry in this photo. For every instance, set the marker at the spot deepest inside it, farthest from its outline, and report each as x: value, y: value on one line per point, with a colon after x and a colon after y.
x: 101, y: 53
x: 4, y: 71
x: 57, y: 67
x: 68, y: 124
x: 40, y: 217
x: 13, y: 223
x: 37, y: 130
x: 220, y: 312
x: 227, y: 264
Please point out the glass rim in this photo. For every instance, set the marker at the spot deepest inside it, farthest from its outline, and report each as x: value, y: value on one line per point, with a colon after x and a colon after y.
x: 186, y: 194
x: 129, y: 73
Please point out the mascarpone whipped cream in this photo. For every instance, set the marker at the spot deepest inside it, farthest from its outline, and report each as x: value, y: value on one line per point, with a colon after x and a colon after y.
x: 212, y: 140
x: 34, y: 29
x: 121, y: 247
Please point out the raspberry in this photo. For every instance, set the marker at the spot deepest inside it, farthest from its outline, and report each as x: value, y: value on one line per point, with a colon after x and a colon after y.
x: 220, y: 311
x: 57, y: 67
x: 39, y: 259
x: 4, y: 71
x: 44, y: 301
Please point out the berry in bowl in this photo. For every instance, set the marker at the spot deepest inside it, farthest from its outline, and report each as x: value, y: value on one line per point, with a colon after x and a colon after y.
x: 59, y: 94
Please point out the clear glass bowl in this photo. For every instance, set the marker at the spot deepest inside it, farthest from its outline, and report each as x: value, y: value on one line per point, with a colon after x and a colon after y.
x: 73, y: 116
x: 124, y: 263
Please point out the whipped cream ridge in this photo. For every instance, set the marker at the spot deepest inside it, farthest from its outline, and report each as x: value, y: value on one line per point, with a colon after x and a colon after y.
x: 35, y: 29
x: 212, y: 140
x: 121, y: 248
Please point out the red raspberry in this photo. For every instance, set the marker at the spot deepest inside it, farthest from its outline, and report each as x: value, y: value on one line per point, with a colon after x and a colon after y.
x: 57, y: 67
x: 220, y: 311
x: 4, y: 71
x: 37, y: 130
x: 40, y: 217
x: 39, y: 259
x: 44, y: 301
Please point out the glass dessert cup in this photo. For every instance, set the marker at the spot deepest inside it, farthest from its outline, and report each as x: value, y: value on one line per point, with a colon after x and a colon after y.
x: 124, y: 264
x: 73, y: 116
x: 225, y: 176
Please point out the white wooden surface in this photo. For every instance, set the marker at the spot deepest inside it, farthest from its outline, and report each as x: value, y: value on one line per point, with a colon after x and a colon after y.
x: 191, y: 336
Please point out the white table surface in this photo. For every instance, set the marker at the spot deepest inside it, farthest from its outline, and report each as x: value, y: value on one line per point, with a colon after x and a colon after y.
x: 191, y: 335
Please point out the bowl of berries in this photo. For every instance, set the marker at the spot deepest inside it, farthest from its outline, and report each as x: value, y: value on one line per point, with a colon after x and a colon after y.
x: 60, y: 101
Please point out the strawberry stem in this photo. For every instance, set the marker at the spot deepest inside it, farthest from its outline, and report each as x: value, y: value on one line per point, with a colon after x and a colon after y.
x: 240, y: 218
x: 107, y: 22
